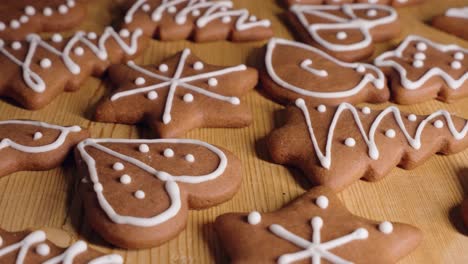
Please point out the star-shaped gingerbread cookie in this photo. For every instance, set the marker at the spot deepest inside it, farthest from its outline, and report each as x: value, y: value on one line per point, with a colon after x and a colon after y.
x: 178, y: 95
x: 420, y: 70
x: 19, y: 18
x: 348, y: 31
x: 36, y: 70
x: 395, y: 3
x: 200, y: 20
x: 33, y: 247
x: 335, y: 146
x: 315, y: 228
x: 137, y: 193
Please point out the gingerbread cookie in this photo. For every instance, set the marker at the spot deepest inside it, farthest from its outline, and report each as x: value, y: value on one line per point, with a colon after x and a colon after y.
x: 33, y: 145
x: 177, y: 95
x: 34, y: 247
x: 200, y: 20
x: 19, y: 18
x: 295, y: 70
x: 137, y: 193
x: 35, y: 71
x: 347, y: 32
x: 453, y: 22
x: 315, y: 228
x: 336, y: 146
x: 420, y: 70
x: 395, y: 3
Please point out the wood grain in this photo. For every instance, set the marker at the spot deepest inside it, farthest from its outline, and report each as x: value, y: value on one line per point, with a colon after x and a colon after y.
x: 426, y: 197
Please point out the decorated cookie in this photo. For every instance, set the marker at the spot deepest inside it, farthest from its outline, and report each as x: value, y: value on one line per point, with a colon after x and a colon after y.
x: 335, y: 146
x: 18, y: 18
x: 295, y: 70
x: 420, y: 70
x: 315, y: 228
x: 32, y: 145
x: 200, y: 20
x: 453, y: 22
x: 34, y: 247
x: 347, y: 32
x: 395, y: 3
x: 137, y: 193
x: 177, y: 95
x: 35, y: 71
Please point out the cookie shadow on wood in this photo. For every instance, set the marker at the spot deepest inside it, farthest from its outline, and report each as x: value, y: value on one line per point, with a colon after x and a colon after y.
x: 261, y: 144
x: 214, y: 244
x: 456, y: 213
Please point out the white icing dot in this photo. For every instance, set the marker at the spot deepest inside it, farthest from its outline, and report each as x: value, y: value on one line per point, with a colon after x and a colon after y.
x: 124, y: 33
x: 16, y: 45
x: 254, y: 218
x: 350, y: 142
x: 92, y: 35
x: 459, y: 56
x: 189, y: 158
x: 361, y: 69
x: 252, y: 18
x: 98, y: 187
x: 421, y: 46
x: 390, y: 133
x: 371, y: 13
x: 226, y: 19
x: 47, y: 11
x: 43, y: 249
x: 37, y: 136
x: 79, y: 51
x: 188, y: 98
x: 366, y: 110
x: 386, y: 227
x: 71, y: 3
x: 196, y: 12
x: 45, y: 63
x: 118, y: 166
x: 146, y: 7
x: 322, y: 108
x: 140, y: 81
x: 143, y: 148
x: 419, y: 56
x: 152, y: 95
x: 455, y: 65
x: 418, y: 63
x: 234, y: 101
x: 30, y: 11
x: 168, y: 153
x: 172, y: 9
x: 63, y: 9
x: 361, y: 233
x: 125, y: 179
x: 198, y: 66
x: 322, y: 201
x: 57, y: 38
x: 341, y: 35
x: 24, y: 19
x: 212, y: 82
x: 317, y: 222
x: 2, y: 26
x: 439, y: 124
x: 163, y: 68
x: 140, y: 194
x: 412, y: 117
x: 15, y: 24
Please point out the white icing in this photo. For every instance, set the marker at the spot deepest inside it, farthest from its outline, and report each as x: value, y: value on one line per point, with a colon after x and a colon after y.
x: 341, y: 23
x: 45, y: 63
x: 212, y: 82
x: 140, y: 81
x: 143, y: 148
x: 47, y: 11
x: 412, y: 117
x: 366, y: 110
x: 118, y: 166
x: 322, y: 202
x: 198, y: 66
x: 386, y: 227
x: 369, y: 137
x: 254, y: 218
x: 385, y: 60
x: 378, y: 82
x: 178, y: 82
x: 168, y: 153
x: 322, y: 108
x: 37, y: 136
x: 140, y: 194
x: 188, y: 98
x: 458, y: 12
x: 350, y: 142
x: 439, y: 124
x: 306, y: 65
x: 152, y: 95
x: 125, y: 179
x: 390, y: 133
x: 163, y: 68
x: 315, y: 249
x: 190, y: 158
x: 43, y: 249
x: 171, y: 185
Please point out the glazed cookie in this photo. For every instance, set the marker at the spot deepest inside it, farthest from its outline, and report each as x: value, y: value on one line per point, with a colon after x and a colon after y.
x: 137, y: 193
x: 420, y: 70
x: 35, y: 71
x: 34, y: 247
x: 18, y: 18
x: 32, y: 145
x: 453, y: 22
x: 177, y: 95
x: 200, y: 20
x: 347, y: 32
x: 336, y: 146
x: 395, y: 3
x: 295, y: 70
x: 315, y: 228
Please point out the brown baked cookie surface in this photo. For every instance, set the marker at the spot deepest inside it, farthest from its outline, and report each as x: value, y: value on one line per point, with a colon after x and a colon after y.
x: 33, y: 247
x: 295, y: 70
x: 348, y: 31
x: 36, y: 70
x: 453, y: 22
x: 200, y: 20
x: 336, y: 146
x: 395, y: 3
x: 19, y: 18
x: 137, y: 193
x: 180, y: 94
x: 314, y: 228
x: 420, y: 70
x: 33, y: 145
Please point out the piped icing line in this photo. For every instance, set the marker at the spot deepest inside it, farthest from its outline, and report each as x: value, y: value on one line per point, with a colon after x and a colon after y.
x: 353, y: 22
x: 212, y: 10
x: 461, y: 12
x: 171, y: 181
x: 36, y: 83
x: 177, y: 81
x: 384, y: 60
x: 378, y: 82
x: 64, y: 132
x: 369, y: 137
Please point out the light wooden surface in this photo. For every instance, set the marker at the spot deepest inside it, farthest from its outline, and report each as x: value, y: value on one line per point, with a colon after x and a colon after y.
x: 426, y: 197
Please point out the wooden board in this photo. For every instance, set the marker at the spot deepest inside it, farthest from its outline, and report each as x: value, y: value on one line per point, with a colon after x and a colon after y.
x: 426, y: 197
